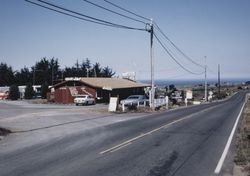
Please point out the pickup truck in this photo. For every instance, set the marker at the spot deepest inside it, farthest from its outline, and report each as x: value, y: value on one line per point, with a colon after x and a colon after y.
x: 84, y: 100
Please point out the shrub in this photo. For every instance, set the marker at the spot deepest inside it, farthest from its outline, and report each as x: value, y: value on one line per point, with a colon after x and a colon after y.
x: 45, y: 90
x: 29, y: 92
x: 14, y: 92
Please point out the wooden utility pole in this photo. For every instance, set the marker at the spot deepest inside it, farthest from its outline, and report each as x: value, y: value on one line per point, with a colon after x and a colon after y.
x: 152, y: 94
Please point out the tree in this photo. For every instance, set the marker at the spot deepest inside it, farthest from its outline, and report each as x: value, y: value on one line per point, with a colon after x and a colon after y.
x: 107, y: 72
x: 44, y: 90
x: 6, y: 75
x: 53, y: 71
x: 85, y: 68
x: 29, y: 92
x: 14, y: 92
x: 23, y: 77
x: 96, y: 70
x: 41, y: 71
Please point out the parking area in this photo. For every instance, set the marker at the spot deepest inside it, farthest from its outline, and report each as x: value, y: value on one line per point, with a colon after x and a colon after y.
x: 36, y: 123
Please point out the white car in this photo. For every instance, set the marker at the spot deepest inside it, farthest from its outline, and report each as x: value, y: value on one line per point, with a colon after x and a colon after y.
x: 84, y: 100
x: 134, y: 100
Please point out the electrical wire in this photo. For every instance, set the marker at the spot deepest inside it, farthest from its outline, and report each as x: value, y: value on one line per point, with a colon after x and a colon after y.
x: 114, y: 12
x: 173, y: 58
x: 128, y: 11
x: 68, y: 14
x: 86, y: 17
x: 177, y: 48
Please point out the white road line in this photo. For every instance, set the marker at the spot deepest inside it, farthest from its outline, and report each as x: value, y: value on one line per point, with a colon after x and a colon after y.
x: 128, y: 142
x: 121, y: 147
x: 224, y: 154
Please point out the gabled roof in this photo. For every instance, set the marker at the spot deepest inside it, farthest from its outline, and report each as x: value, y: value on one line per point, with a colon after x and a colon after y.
x: 106, y: 83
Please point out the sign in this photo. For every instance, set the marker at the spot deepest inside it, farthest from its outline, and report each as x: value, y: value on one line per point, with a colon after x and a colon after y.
x: 189, y: 94
x: 113, y: 104
x: 73, y: 79
x: 107, y: 88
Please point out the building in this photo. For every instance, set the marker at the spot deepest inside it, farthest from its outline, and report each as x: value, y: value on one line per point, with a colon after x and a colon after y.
x: 100, y: 88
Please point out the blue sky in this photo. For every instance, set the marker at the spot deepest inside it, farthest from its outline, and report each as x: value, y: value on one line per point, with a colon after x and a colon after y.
x: 217, y: 29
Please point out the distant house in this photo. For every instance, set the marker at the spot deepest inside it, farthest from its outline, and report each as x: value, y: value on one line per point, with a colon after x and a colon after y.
x: 100, y: 88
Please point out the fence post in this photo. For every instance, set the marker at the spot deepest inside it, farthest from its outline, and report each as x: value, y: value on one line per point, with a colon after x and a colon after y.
x: 123, y: 107
x: 166, y: 98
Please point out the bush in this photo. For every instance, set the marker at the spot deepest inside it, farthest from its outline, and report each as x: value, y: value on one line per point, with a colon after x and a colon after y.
x: 29, y: 92
x: 14, y: 92
x: 44, y: 90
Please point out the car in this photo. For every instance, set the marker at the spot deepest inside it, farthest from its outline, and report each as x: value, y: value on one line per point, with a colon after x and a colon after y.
x: 84, y: 100
x: 134, y: 100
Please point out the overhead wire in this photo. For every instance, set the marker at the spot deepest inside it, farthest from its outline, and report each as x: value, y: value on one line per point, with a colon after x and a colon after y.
x: 114, y: 12
x: 173, y: 58
x: 128, y: 11
x: 177, y: 48
x: 86, y: 17
x: 110, y: 24
x: 172, y: 43
x: 64, y: 13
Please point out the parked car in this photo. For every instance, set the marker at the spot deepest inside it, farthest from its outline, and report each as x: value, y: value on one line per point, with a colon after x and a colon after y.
x: 133, y: 100
x: 84, y: 100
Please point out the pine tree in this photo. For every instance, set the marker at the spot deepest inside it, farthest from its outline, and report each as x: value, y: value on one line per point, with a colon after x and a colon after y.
x: 14, y: 92
x: 29, y: 92
x: 44, y: 90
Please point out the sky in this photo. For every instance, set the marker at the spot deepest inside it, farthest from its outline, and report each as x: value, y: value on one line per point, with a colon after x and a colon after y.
x: 210, y: 32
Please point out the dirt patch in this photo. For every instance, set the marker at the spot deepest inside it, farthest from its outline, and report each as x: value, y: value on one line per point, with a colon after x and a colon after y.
x: 242, y: 158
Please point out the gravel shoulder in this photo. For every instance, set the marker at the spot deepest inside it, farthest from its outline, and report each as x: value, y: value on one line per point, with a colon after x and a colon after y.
x: 242, y: 153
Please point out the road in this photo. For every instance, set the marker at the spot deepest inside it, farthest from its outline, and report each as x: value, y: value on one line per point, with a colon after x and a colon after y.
x: 184, y: 142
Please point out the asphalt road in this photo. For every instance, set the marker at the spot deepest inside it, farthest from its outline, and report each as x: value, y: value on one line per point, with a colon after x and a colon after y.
x: 184, y: 142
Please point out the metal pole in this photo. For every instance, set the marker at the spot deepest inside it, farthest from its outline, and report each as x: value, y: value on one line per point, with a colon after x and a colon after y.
x: 205, y: 80
x: 34, y: 76
x: 152, y: 64
x: 219, y: 81
x: 52, y: 75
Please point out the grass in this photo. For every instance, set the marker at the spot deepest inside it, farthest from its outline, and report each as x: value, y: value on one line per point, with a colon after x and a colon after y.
x: 242, y: 157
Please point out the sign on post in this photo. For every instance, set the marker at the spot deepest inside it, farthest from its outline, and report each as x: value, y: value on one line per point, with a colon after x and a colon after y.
x: 189, y: 94
x: 113, y: 104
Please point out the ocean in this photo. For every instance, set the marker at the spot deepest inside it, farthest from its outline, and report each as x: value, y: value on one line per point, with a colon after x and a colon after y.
x: 192, y: 82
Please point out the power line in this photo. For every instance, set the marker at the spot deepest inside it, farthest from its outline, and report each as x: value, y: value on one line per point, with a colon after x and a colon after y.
x: 177, y: 48
x: 128, y: 11
x: 86, y: 17
x: 114, y: 12
x: 68, y: 14
x: 164, y: 47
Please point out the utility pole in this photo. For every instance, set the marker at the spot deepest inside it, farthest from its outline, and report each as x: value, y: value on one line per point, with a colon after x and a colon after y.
x: 219, y: 81
x: 34, y: 76
x: 152, y: 95
x: 205, y: 79
x: 52, y: 75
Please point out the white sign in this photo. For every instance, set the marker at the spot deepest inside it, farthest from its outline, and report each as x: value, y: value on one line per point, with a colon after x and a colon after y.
x: 189, y: 94
x: 113, y: 104
x: 107, y: 88
x: 73, y: 79
x: 129, y: 75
